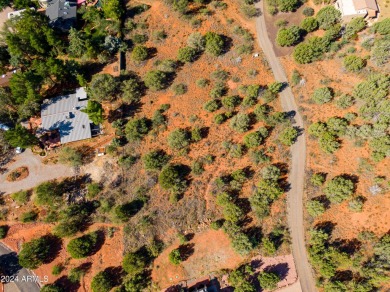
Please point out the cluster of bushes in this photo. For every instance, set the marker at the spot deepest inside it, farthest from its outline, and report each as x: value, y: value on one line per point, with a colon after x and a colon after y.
x: 173, y: 179
x: 266, y: 192
x: 180, y: 138
x: 327, y: 18
x: 331, y: 259
x: 274, y: 6
x: 37, y: 252
x: 242, y: 279
x: 328, y: 133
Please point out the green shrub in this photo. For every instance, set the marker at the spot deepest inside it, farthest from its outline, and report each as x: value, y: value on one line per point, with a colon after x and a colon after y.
x: 168, y: 65
x: 140, y: 38
x: 345, y: 101
x: 216, y: 225
x: 339, y: 189
x: 139, y: 53
x: 155, y: 160
x: 275, y: 87
x: 178, y: 139
x: 240, y: 123
x: 131, y: 90
x: 356, y: 204
x: 48, y: 194
x: 220, y: 118
x: 380, y: 50
x: 317, y: 179
x: 268, y: 280
x: 288, y: 36
x: 35, y: 252
x: 309, y: 24
x: 175, y: 257
x: 83, y: 246
x: 288, y: 136
x: 308, y: 11
x: 353, y: 63
x: 249, y: 10
x: 3, y: 231
x: 196, y: 134
x: 230, y: 102
x: 127, y: 210
x: 258, y: 156
x: 133, y: 263
x: 196, y: 41
x: 202, y: 83
x: 253, y: 139
x: 102, y: 282
x: 220, y: 75
x: 218, y: 91
x: 179, y: 89
x: 322, y: 95
x: 57, y: 269
x: 136, y: 129
x: 197, y: 167
x: 328, y: 17
x: 171, y: 178
x: 353, y: 27
x: 29, y: 216
x: 270, y: 172
x: 311, y: 50
x: 268, y: 246
x: 187, y: 54
x: 315, y: 208
x: 382, y: 27
x: 93, y: 190
x: 214, y: 44
x: 102, y: 87
x: 156, y: 80
x: 211, y: 105
x: 21, y: 197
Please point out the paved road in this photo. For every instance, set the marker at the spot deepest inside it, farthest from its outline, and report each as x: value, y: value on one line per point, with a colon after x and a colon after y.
x: 9, y: 264
x: 297, y: 172
x: 39, y: 172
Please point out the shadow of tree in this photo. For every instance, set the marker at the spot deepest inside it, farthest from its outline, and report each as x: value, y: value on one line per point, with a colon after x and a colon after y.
x: 186, y: 250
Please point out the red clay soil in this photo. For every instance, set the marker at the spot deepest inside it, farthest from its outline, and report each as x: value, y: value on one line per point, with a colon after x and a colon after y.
x: 110, y: 254
x: 211, y: 252
x: 350, y: 158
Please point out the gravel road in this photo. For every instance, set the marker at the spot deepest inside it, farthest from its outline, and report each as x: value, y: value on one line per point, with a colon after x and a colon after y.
x: 297, y: 171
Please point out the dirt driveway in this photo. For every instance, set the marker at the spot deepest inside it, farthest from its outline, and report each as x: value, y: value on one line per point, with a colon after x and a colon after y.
x: 39, y: 172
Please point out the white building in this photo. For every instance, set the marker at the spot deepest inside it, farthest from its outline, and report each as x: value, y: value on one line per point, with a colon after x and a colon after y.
x: 357, y: 8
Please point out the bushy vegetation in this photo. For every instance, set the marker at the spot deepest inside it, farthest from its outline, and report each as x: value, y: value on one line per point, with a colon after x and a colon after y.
x: 328, y: 16
x: 178, y: 139
x: 322, y: 95
x: 36, y: 252
x: 156, y: 80
x: 309, y: 24
x: 353, y: 63
x: 288, y: 136
x: 171, y: 178
x: 83, y: 246
x: 288, y: 36
x: 102, y: 282
x: 339, y: 189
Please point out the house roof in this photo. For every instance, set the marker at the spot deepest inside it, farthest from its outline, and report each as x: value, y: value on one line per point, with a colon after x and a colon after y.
x: 64, y: 113
x: 365, y: 4
x: 62, y: 13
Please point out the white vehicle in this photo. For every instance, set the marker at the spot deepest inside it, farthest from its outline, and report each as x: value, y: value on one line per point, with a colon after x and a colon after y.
x: 18, y: 150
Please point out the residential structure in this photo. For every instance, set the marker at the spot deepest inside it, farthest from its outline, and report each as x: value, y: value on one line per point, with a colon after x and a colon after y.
x: 62, y: 14
x: 63, y: 115
x: 357, y: 8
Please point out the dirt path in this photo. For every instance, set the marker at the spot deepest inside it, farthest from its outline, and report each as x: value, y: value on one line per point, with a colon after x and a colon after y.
x: 297, y: 172
x: 39, y: 172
